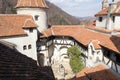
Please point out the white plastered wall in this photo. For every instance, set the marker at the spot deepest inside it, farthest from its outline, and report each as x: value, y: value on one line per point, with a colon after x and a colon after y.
x: 60, y: 50
x: 20, y: 41
x: 92, y: 57
x: 42, y: 19
x: 101, y: 24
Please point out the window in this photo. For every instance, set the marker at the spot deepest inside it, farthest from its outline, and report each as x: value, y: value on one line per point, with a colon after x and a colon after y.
x: 36, y: 17
x: 100, y: 19
x: 118, y: 58
x: 31, y: 30
x: 29, y: 46
x: 113, y: 18
x: 24, y: 47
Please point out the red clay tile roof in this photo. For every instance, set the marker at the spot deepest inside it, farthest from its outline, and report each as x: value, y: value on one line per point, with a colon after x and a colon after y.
x: 29, y: 23
x: 47, y: 33
x: 84, y: 36
x: 99, y: 72
x: 105, y: 11
x: 102, y: 12
x: 12, y: 25
x: 31, y: 4
x: 96, y: 44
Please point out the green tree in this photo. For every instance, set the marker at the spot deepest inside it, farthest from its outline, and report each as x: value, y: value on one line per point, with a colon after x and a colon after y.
x: 75, y: 59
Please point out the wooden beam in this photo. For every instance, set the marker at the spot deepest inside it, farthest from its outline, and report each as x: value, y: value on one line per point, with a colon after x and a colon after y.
x: 116, y: 68
x: 108, y: 62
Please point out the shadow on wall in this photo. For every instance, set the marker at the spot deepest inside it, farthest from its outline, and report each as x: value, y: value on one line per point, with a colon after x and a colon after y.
x: 40, y: 58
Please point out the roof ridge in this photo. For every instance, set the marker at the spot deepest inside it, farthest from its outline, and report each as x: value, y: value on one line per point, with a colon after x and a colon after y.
x: 45, y: 34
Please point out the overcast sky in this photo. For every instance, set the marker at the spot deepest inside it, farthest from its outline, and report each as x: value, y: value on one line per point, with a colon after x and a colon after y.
x: 79, y: 8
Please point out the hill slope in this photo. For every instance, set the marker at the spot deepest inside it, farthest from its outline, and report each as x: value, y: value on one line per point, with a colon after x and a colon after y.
x: 55, y: 14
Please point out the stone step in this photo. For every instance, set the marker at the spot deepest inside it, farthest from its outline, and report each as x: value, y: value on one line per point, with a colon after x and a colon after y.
x: 68, y: 70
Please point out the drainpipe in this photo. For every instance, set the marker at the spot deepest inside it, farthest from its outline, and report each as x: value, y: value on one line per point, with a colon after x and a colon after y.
x: 112, y: 7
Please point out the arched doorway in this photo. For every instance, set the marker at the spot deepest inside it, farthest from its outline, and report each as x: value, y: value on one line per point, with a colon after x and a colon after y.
x: 63, y: 52
x: 40, y: 58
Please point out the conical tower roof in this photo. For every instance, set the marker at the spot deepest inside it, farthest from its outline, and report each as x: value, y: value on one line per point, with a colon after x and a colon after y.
x: 31, y: 4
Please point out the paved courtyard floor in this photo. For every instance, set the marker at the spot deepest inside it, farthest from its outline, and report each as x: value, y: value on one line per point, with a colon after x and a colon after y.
x: 62, y: 70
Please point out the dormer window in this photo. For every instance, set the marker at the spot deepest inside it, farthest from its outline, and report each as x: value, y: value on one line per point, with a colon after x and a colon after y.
x: 100, y: 19
x: 31, y: 30
x: 36, y: 17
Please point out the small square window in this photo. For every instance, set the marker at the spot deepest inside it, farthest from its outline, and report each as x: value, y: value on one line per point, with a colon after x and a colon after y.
x: 31, y: 30
x: 29, y: 46
x: 100, y: 19
x: 24, y: 47
x: 36, y: 17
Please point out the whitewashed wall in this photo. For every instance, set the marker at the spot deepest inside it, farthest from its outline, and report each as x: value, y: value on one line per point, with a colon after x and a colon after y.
x: 60, y: 50
x: 42, y: 19
x: 111, y: 24
x: 101, y: 24
x: 20, y: 41
x: 117, y: 21
x: 94, y: 56
x: 46, y: 58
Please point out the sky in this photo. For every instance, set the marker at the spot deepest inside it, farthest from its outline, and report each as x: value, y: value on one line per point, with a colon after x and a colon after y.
x: 79, y: 8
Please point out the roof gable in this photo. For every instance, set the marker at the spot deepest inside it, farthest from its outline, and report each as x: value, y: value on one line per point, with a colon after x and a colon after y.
x: 12, y: 25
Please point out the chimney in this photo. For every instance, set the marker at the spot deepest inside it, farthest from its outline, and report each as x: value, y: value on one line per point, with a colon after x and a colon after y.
x: 112, y: 7
x: 104, y: 4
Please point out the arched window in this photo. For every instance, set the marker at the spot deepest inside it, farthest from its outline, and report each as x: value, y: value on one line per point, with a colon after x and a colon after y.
x: 29, y: 46
x: 24, y: 47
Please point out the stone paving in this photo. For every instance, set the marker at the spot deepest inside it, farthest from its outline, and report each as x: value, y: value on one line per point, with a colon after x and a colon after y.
x: 63, y: 72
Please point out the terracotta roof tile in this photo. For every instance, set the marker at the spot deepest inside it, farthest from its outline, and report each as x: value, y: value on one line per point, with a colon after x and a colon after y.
x: 29, y: 23
x: 85, y: 36
x: 102, y: 12
x: 12, y: 25
x: 91, y: 25
x: 96, y: 44
x: 99, y: 72
x: 47, y: 33
x: 31, y: 4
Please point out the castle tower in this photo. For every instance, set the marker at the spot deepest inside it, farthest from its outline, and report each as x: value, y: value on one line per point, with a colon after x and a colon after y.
x: 104, y: 4
x: 35, y: 8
